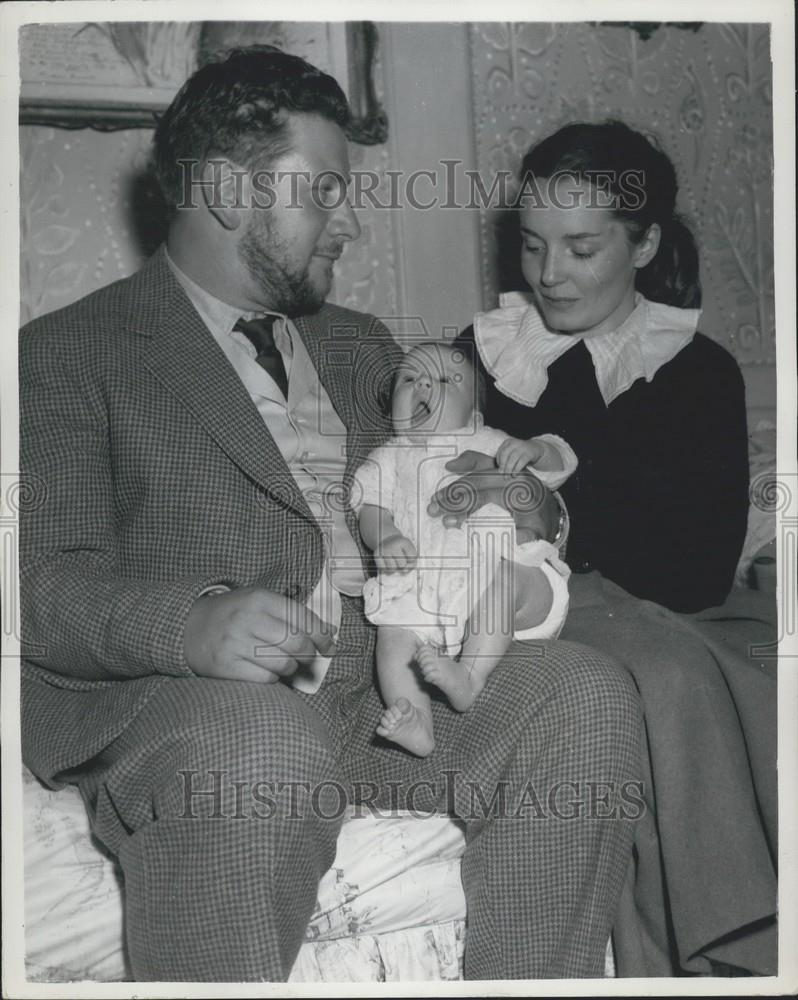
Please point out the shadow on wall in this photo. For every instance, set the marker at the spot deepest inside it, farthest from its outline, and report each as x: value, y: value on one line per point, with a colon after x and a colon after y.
x: 507, y: 250
x: 149, y: 213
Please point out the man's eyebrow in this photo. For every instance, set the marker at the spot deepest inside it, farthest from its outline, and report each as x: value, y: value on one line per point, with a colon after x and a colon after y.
x: 322, y: 175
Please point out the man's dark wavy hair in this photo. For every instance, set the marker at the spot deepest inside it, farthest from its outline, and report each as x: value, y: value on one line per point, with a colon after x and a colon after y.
x: 238, y: 107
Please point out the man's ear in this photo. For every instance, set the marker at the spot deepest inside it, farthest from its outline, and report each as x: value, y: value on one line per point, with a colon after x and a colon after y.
x: 646, y: 250
x: 225, y: 189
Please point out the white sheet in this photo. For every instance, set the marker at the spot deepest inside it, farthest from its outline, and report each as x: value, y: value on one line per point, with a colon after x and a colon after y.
x: 390, y: 873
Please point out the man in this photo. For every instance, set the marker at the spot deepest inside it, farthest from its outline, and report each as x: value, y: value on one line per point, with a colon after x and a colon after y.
x: 178, y: 571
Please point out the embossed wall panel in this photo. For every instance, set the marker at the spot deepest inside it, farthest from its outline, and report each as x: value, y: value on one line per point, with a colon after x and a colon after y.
x: 705, y: 91
x: 90, y: 214
x: 79, y: 228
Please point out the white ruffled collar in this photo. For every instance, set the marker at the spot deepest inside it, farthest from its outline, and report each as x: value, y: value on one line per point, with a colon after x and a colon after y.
x: 517, y: 348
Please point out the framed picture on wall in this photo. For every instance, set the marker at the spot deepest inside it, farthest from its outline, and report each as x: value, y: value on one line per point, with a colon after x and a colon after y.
x: 110, y: 75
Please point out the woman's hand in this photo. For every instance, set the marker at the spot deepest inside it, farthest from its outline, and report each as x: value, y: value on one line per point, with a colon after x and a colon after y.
x: 534, y: 508
x: 395, y: 554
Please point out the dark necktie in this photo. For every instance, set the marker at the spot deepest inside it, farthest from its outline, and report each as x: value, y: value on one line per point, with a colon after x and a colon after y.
x: 259, y: 333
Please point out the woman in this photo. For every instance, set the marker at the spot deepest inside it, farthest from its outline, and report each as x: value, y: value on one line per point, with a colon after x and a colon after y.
x: 608, y: 356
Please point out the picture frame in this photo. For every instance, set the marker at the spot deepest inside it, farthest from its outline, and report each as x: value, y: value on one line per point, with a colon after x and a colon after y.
x: 120, y: 75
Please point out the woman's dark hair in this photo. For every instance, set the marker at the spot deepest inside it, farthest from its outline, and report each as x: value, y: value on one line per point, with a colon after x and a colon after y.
x: 642, y: 181
x: 237, y: 107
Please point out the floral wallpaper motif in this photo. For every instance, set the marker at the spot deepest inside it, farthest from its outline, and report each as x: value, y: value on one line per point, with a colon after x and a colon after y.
x: 91, y: 213
x: 88, y: 213
x: 704, y: 90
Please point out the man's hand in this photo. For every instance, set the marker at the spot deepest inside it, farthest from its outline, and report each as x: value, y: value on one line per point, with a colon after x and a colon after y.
x: 252, y: 634
x: 515, y: 455
x: 395, y: 555
x: 534, y: 508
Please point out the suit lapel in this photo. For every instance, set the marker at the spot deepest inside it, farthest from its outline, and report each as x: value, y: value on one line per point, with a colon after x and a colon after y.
x: 332, y: 360
x: 182, y: 354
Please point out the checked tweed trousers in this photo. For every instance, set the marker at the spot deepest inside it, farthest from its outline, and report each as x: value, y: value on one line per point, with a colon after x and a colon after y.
x: 215, y: 892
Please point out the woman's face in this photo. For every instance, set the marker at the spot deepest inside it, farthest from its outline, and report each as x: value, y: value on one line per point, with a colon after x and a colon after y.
x: 577, y: 257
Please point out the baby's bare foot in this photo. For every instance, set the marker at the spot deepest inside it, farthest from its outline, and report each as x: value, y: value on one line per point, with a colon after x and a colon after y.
x: 448, y: 675
x: 407, y: 725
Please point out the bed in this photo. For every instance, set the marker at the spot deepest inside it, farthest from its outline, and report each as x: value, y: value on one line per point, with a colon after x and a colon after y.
x: 391, y: 907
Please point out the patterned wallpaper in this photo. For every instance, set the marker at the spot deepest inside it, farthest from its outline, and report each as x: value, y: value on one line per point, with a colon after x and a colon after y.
x: 91, y: 213
x: 88, y: 214
x: 705, y: 91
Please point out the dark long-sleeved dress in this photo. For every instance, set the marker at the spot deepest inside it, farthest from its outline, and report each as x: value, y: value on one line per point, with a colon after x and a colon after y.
x: 659, y: 501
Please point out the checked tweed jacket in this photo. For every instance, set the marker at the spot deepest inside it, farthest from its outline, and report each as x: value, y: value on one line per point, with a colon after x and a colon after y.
x: 157, y: 478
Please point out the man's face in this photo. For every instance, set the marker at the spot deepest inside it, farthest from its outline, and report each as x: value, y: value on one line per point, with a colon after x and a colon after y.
x: 289, y: 248
x: 433, y: 391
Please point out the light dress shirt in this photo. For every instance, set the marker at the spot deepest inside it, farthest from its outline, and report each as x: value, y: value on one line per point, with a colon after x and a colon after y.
x: 310, y: 436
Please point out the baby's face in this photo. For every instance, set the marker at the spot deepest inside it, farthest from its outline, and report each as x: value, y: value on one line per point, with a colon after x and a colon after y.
x: 434, y: 391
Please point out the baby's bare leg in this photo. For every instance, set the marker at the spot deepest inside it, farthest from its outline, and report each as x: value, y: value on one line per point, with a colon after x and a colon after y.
x: 534, y: 597
x: 488, y: 634
x: 518, y: 598
x: 408, y: 718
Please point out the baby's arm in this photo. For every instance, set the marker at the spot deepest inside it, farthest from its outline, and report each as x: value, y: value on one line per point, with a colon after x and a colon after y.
x: 548, y: 456
x: 393, y: 551
x: 514, y: 455
x: 558, y: 461
x: 372, y: 497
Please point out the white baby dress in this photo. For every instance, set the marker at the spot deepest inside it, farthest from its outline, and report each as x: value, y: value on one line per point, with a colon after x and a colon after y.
x: 435, y: 599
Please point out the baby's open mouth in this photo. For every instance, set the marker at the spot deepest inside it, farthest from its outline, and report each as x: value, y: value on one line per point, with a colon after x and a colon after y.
x: 421, y: 410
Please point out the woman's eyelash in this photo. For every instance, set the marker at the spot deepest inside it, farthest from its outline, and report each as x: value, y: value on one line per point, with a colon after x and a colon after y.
x: 576, y: 253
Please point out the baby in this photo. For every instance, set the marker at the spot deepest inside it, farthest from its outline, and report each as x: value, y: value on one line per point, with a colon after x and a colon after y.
x: 448, y: 601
